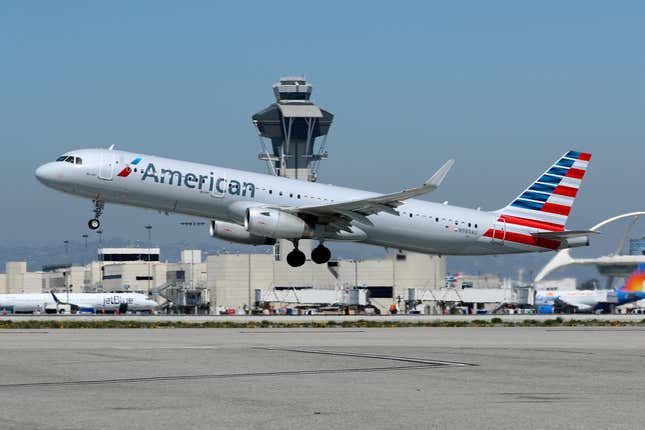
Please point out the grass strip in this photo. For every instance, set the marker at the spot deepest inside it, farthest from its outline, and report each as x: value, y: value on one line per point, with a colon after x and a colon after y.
x: 366, y: 323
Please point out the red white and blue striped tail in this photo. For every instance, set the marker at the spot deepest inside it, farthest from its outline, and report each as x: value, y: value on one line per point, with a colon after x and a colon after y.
x: 546, y: 204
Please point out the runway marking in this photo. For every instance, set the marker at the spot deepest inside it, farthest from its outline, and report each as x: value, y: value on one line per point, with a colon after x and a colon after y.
x: 597, y: 329
x: 24, y: 332
x: 415, y: 363
x: 422, y: 361
x: 316, y: 331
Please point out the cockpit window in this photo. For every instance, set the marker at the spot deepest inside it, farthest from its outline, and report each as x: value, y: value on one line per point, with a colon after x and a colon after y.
x: 70, y: 159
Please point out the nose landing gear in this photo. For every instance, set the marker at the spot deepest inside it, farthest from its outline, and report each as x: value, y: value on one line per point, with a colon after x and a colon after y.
x: 321, y: 254
x: 296, y: 258
x: 94, y: 223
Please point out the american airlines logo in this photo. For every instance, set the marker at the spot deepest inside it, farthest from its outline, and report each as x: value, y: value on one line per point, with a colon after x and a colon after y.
x: 205, y: 183
x: 127, y: 169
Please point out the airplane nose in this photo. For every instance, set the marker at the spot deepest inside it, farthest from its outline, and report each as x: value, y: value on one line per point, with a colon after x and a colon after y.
x: 46, y: 173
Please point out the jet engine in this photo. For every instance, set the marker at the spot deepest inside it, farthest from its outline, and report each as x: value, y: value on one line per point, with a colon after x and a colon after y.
x: 575, y: 242
x: 235, y: 233
x: 277, y: 224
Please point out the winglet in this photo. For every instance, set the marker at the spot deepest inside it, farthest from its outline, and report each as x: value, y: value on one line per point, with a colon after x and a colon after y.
x: 440, y: 174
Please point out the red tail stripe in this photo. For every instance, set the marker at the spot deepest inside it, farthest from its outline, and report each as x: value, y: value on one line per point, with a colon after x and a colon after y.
x: 563, y: 190
x: 542, y: 225
x: 556, y: 209
x: 584, y: 156
x: 525, y: 239
x: 575, y: 173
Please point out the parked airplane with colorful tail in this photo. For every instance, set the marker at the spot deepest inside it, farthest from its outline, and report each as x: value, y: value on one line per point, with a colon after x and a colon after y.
x: 258, y: 209
x: 593, y: 300
x: 96, y: 302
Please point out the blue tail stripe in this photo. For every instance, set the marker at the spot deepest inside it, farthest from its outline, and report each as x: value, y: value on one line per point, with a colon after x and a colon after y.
x: 566, y: 162
x: 531, y: 195
x: 573, y: 154
x: 550, y: 179
x: 526, y: 204
x: 542, y: 187
x: 558, y: 171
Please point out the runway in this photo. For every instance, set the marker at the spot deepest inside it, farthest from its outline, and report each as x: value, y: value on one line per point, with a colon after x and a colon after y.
x: 493, y: 377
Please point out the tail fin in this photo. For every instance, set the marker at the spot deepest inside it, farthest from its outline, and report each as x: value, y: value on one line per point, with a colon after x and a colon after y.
x: 546, y: 204
x: 636, y: 281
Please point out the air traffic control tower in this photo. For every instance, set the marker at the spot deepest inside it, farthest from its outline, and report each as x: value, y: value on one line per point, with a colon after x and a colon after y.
x: 293, y: 123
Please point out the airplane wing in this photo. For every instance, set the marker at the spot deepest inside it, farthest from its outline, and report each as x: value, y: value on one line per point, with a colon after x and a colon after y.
x: 343, y: 213
x: 562, y: 301
x: 60, y: 302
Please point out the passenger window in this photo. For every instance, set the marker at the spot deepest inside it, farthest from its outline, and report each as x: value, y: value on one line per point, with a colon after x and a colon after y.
x: 475, y: 225
x: 436, y: 219
x: 468, y: 224
x: 270, y: 191
x: 280, y: 192
x: 291, y: 195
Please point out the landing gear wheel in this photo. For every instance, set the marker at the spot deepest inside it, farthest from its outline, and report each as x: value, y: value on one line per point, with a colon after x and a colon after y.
x: 94, y: 223
x: 296, y: 258
x: 321, y: 254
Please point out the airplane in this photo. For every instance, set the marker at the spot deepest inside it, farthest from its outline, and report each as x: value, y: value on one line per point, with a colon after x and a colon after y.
x: 592, y: 300
x: 258, y: 209
x: 97, y: 301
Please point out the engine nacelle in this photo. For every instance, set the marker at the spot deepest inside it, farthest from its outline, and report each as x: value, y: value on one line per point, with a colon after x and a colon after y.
x: 277, y: 224
x: 235, y: 233
x: 575, y: 242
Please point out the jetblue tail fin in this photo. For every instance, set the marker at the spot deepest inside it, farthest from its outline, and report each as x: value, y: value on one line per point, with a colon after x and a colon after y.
x: 636, y: 281
x: 546, y: 203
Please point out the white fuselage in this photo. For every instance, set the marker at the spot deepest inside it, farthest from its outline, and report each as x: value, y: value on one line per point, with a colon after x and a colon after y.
x: 224, y: 194
x: 97, y: 301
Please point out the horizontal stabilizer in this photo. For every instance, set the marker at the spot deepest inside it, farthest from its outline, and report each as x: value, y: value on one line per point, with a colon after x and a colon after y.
x: 559, y: 235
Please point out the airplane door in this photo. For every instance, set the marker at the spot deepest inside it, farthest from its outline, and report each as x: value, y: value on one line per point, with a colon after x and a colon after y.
x: 219, y: 187
x: 106, y: 169
x: 499, y: 232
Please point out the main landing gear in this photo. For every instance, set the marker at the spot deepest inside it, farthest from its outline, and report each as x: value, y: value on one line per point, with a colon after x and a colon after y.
x: 320, y: 255
x: 94, y: 223
x: 296, y: 258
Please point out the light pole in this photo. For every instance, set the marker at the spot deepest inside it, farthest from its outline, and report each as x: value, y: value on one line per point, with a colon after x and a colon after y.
x: 84, y: 236
x: 100, y: 234
x: 149, y: 228
x: 66, y: 242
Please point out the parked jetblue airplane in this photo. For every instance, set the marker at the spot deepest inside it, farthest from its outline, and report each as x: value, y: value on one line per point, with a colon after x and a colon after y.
x: 257, y: 209
x: 591, y: 300
x: 96, y: 301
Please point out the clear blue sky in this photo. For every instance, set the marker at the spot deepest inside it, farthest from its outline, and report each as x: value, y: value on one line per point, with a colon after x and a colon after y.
x: 502, y: 86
